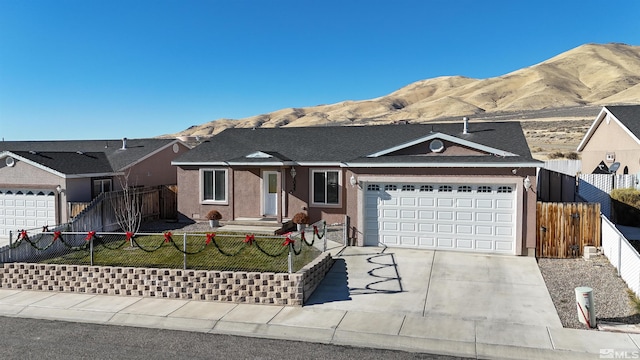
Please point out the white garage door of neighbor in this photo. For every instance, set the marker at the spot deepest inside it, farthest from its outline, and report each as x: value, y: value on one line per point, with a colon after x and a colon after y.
x: 465, y: 217
x: 25, y: 209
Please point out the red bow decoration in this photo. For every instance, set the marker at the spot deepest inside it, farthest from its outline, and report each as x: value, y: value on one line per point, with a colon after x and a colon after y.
x: 288, y: 241
x: 250, y: 239
x: 90, y: 235
x: 315, y: 229
x: 129, y: 235
x: 167, y: 237
x: 209, y: 238
x: 23, y: 235
x: 56, y: 235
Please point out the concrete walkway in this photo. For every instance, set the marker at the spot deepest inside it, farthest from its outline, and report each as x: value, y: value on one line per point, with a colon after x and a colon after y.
x: 421, y: 301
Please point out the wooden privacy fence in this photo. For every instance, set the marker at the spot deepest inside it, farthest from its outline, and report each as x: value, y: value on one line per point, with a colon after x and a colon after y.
x: 564, y: 229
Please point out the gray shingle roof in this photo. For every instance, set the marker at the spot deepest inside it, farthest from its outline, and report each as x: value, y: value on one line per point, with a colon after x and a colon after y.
x: 629, y: 115
x: 354, y: 143
x: 85, y: 156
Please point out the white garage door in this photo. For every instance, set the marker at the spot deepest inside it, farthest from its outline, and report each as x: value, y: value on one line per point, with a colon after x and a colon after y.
x: 465, y: 217
x: 25, y: 209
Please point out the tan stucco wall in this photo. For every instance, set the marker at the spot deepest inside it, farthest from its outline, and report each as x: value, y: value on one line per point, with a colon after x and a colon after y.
x: 247, y: 199
x: 611, y: 138
x: 157, y: 169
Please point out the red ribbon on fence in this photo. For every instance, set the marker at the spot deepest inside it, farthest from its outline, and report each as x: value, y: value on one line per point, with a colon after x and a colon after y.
x: 315, y: 229
x: 90, y: 235
x: 129, y: 235
x: 288, y: 241
x: 249, y: 239
x: 167, y: 237
x: 56, y: 235
x: 23, y: 235
x: 209, y: 238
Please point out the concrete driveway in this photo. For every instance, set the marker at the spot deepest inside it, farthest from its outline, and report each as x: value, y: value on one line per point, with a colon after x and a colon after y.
x: 455, y: 285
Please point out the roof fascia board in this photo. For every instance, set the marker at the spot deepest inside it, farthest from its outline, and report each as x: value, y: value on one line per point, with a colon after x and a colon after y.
x: 81, y: 176
x: 601, y: 115
x: 447, y: 137
x: 532, y: 164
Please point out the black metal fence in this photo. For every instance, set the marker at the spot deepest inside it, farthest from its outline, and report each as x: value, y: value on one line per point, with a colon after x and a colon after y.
x: 202, y: 251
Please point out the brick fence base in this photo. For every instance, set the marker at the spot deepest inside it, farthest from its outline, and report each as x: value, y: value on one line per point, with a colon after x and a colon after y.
x: 226, y: 286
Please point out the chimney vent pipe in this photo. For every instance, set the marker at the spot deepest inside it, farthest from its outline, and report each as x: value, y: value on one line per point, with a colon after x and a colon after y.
x: 465, y: 121
x: 124, y: 143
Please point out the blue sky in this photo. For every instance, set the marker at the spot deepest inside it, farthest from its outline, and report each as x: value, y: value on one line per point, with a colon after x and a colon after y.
x: 92, y: 69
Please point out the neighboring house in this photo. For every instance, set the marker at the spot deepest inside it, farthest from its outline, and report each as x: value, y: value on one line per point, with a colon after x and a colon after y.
x: 614, y: 137
x: 435, y: 186
x: 38, y: 179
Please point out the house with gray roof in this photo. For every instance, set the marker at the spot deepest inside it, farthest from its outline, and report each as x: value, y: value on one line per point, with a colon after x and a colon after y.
x: 39, y: 179
x: 614, y: 137
x: 456, y: 186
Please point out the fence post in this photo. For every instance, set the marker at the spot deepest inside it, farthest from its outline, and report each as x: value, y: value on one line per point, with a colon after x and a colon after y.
x: 91, y: 250
x: 619, y: 255
x: 10, y: 243
x: 290, y: 258
x: 184, y: 248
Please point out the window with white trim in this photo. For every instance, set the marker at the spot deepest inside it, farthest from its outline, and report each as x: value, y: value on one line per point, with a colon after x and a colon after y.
x: 213, y: 185
x: 464, y: 188
x: 325, y: 187
x: 504, y: 189
x: 390, y: 187
x: 408, y: 187
x: 485, y: 189
x: 445, y: 188
x: 427, y: 188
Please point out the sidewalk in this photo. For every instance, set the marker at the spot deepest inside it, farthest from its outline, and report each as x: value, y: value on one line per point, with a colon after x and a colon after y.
x: 467, y: 305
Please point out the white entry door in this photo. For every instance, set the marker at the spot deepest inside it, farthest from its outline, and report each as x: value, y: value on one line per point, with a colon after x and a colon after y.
x: 270, y: 193
x: 463, y: 217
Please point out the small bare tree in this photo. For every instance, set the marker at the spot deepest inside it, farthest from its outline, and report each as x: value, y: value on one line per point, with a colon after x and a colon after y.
x: 127, y: 205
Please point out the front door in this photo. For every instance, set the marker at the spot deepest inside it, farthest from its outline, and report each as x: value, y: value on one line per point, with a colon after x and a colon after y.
x: 270, y: 191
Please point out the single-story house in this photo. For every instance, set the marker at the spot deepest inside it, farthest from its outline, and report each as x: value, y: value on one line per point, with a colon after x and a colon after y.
x: 613, y: 138
x: 38, y: 179
x: 458, y: 186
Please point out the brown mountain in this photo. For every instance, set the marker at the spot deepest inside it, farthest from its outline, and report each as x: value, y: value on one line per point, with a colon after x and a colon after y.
x: 569, y: 86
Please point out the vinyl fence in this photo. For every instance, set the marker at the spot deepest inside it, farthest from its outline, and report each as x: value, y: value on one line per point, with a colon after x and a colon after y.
x: 621, y: 254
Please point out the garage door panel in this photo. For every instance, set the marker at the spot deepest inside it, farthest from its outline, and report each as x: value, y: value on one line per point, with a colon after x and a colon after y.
x: 435, y: 216
x: 407, y: 201
x: 445, y: 202
x: 485, y: 245
x: 446, y: 243
x: 408, y: 226
x: 427, y: 242
x: 426, y: 202
x: 25, y: 209
x: 464, y: 244
x: 445, y: 215
x: 427, y: 214
x: 427, y: 228
x: 408, y: 214
x: 484, y: 217
x: 464, y: 216
x: 464, y: 229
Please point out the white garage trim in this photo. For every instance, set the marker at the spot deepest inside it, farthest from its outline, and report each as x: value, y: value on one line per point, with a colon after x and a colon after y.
x: 26, y: 209
x: 482, y: 214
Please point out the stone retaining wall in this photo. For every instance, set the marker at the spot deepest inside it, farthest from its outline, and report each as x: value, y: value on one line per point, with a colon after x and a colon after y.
x: 226, y: 286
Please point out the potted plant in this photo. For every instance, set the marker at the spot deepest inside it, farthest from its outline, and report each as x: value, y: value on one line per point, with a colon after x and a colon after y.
x: 214, y: 216
x: 301, y: 219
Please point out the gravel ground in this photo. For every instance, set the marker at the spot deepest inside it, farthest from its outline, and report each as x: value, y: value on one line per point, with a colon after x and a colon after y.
x: 612, y: 303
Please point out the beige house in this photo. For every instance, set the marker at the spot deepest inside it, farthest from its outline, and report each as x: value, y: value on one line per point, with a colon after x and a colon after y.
x: 454, y: 186
x: 38, y: 179
x: 613, y: 138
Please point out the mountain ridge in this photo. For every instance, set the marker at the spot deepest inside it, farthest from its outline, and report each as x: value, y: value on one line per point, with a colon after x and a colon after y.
x: 586, y: 76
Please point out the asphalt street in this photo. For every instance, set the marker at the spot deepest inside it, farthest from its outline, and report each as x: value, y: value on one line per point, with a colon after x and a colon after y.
x: 44, y: 339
